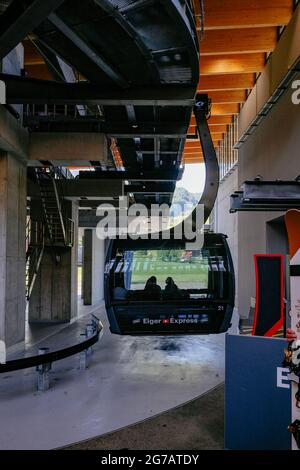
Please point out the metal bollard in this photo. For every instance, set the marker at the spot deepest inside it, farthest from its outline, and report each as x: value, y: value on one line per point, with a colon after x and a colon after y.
x: 89, y: 331
x: 83, y: 362
x: 95, y: 323
x: 43, y: 381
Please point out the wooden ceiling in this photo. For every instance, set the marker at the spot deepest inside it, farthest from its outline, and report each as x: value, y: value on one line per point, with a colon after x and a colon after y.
x: 238, y: 36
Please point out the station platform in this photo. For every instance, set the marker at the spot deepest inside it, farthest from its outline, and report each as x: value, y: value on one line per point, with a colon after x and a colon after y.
x: 129, y: 379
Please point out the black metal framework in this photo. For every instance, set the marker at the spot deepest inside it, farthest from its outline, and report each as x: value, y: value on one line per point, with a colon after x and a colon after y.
x: 270, y: 196
x: 208, y: 198
x: 154, y: 175
x: 20, y: 18
x: 88, y: 50
x: 138, y: 66
x: 22, y: 90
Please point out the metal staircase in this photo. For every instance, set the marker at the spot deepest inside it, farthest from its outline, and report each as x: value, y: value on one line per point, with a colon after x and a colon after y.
x: 35, y: 244
x: 59, y: 229
x: 55, y: 230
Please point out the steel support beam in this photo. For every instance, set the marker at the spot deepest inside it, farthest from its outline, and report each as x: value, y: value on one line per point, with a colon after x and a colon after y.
x: 208, y: 198
x: 20, y: 18
x: 150, y: 188
x: 162, y: 175
x: 258, y: 196
x: 120, y: 130
x: 91, y: 53
x: 76, y: 189
x: 20, y: 90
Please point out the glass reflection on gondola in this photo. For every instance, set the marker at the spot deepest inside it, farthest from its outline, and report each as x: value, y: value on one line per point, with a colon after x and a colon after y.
x: 155, y: 286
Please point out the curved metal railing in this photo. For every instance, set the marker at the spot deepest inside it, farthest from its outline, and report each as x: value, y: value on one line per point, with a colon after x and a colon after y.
x: 48, y: 358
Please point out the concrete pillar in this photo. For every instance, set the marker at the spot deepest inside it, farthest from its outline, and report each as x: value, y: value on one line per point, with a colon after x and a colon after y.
x: 54, y: 295
x: 12, y: 249
x: 93, y: 268
x: 98, y: 269
x: 87, y: 266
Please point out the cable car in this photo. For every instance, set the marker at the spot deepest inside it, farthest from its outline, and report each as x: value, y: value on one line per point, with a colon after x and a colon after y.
x: 158, y: 287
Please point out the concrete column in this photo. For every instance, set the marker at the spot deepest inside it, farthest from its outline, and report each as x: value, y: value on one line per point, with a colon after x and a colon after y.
x: 87, y: 266
x: 54, y: 295
x: 12, y: 249
x: 93, y: 268
x: 98, y: 269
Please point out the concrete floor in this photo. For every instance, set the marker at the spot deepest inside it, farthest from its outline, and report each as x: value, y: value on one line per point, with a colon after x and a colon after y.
x: 129, y: 379
x: 196, y: 425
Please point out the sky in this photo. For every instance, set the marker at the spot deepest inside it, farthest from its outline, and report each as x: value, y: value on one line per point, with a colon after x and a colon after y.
x: 193, y: 178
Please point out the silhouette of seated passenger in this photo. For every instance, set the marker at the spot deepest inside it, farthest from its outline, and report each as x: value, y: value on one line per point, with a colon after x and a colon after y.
x: 119, y: 292
x: 171, y: 290
x: 152, y: 290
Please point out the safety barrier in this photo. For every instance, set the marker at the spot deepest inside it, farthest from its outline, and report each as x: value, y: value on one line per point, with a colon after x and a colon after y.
x: 43, y: 361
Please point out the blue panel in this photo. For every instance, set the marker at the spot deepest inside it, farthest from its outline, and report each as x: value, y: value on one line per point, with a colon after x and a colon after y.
x: 257, y: 412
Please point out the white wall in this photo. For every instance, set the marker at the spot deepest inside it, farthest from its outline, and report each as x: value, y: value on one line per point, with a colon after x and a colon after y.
x: 272, y: 151
x: 227, y: 223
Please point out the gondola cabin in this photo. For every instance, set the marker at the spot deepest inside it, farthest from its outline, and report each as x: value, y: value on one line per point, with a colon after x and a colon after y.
x: 158, y: 287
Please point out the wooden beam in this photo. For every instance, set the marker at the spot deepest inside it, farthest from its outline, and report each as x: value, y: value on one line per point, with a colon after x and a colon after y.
x: 238, y: 41
x: 191, y: 160
x: 245, y: 14
x: 232, y: 63
x: 218, y: 129
x: 195, y: 144
x: 214, y: 120
x: 209, y: 83
x: 217, y: 120
x: 213, y: 129
x: 191, y: 145
x: 193, y: 150
x: 197, y: 151
x: 224, y: 109
x: 193, y: 155
x: 34, y: 61
x: 231, y: 96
